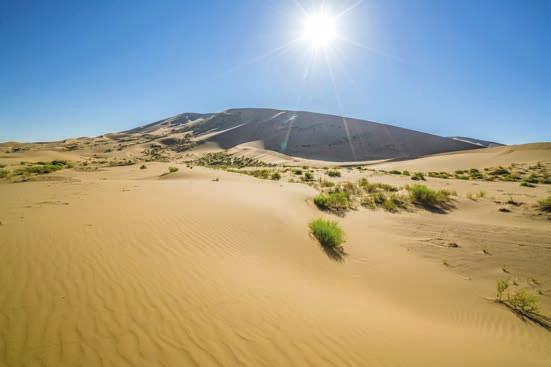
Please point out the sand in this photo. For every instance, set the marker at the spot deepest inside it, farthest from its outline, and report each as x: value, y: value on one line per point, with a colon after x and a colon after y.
x: 122, y: 267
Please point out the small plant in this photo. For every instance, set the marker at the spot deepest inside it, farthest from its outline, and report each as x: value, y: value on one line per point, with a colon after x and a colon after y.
x: 328, y: 233
x: 325, y: 183
x: 3, y: 173
x: 333, y: 173
x: 544, y: 205
x: 524, y: 301
x: 275, y: 176
x: 423, y: 196
x: 406, y: 173
x: 172, y: 169
x: 143, y: 166
x: 308, y: 176
x: 418, y: 176
x: 336, y: 202
x: 501, y: 287
x: 297, y: 172
x: 445, y: 262
x: 395, y: 172
x: 527, y: 184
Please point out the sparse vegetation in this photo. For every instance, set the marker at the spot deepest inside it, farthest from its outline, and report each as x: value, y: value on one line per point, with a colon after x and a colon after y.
x: 328, y: 233
x: 172, y: 169
x: 276, y: 176
x: 333, y: 173
x: 225, y: 160
x: 40, y: 168
x: 143, y: 166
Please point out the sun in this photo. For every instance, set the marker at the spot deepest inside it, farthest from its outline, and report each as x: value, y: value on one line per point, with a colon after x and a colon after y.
x: 319, y: 29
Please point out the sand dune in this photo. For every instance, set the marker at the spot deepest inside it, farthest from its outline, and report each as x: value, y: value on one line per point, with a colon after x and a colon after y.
x: 308, y: 135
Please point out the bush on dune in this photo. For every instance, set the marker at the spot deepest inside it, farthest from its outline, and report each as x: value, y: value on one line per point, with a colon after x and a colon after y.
x: 423, y: 196
x: 545, y: 205
x: 327, y: 232
x: 336, y: 202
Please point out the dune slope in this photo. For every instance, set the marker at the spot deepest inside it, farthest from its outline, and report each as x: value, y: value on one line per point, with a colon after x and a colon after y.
x: 121, y: 267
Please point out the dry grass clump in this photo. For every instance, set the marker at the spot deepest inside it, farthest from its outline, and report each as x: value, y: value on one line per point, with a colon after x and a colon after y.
x: 418, y: 176
x: 333, y: 173
x: 337, y: 202
x: 172, y: 169
x: 544, y: 205
x: 423, y: 196
x: 3, y: 173
x: 225, y: 160
x: 522, y: 303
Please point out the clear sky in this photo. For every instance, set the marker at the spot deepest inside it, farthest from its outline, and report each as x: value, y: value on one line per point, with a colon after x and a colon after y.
x: 473, y: 68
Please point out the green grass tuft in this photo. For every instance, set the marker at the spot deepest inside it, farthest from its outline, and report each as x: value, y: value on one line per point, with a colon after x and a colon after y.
x: 336, y: 202
x: 545, y: 205
x: 327, y: 232
x: 423, y: 196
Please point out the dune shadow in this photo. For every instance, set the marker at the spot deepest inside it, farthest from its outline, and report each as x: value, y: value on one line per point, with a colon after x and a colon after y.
x: 443, y: 208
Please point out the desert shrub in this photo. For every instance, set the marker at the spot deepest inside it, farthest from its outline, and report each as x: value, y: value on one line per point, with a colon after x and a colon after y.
x: 499, y: 171
x: 395, y: 172
x: 406, y: 173
x: 308, y: 176
x: 333, y: 173
x: 325, y: 183
x: 328, y: 233
x: 475, y: 174
x: 443, y: 175
x: 418, y: 176
x: 337, y: 202
x: 501, y: 286
x: 3, y: 173
x: 422, y: 195
x: 275, y: 176
x: 459, y: 172
x: 347, y: 187
x: 297, y: 171
x: 545, y: 205
x: 223, y: 160
x: 143, y: 166
x: 172, y: 169
x: 368, y: 202
x: 523, y: 301
x: 394, y: 202
x: 2, y: 165
x: 373, y: 187
x: 527, y: 184
x: 260, y: 173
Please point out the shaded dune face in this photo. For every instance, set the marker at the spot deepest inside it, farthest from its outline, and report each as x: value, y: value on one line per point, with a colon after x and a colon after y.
x: 317, y: 136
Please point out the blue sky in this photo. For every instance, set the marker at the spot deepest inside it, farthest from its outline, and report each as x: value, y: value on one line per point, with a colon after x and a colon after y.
x: 472, y: 68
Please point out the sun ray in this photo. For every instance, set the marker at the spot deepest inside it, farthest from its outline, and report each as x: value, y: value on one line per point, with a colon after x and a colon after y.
x: 349, y: 9
x: 339, y: 104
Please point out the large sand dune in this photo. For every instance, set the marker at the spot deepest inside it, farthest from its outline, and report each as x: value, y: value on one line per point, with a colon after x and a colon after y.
x: 122, y: 267
x: 309, y: 135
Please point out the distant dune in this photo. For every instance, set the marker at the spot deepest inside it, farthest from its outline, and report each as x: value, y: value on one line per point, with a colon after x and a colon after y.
x: 310, y: 135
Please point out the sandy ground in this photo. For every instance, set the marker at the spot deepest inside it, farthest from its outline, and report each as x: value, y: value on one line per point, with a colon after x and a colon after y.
x: 122, y: 267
